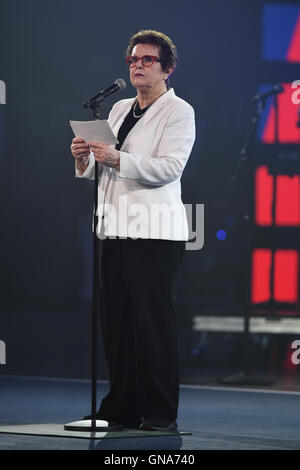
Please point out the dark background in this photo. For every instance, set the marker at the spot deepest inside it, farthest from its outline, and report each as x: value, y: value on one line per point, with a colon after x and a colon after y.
x: 56, y: 54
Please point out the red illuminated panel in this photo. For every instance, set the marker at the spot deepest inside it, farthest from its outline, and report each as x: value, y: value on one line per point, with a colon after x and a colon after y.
x: 261, y: 264
x: 288, y: 200
x: 287, y: 211
x: 288, y: 132
x: 293, y: 54
x: 263, y: 196
x: 269, y: 134
x: 286, y: 276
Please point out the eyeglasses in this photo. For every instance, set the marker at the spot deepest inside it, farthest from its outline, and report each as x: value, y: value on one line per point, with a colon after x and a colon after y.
x: 147, y: 60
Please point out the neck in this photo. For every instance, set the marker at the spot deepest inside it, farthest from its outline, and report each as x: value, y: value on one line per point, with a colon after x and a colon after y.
x: 147, y: 97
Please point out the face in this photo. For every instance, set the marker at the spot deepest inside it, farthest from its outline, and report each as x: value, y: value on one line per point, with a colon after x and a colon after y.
x: 151, y: 77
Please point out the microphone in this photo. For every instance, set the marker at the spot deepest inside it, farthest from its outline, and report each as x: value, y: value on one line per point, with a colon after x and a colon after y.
x: 276, y: 90
x: 119, y: 85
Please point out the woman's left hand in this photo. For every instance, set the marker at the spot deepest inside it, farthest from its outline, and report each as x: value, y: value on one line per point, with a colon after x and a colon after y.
x: 105, y: 154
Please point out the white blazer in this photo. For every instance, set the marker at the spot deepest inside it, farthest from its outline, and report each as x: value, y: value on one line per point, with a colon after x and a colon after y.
x: 143, y: 199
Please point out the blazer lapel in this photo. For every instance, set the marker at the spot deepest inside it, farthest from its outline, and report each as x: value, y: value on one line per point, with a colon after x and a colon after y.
x: 152, y: 111
x: 118, y: 121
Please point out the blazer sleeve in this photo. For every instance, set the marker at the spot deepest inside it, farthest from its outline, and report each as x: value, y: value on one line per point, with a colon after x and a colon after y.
x: 173, y: 152
x: 89, y: 172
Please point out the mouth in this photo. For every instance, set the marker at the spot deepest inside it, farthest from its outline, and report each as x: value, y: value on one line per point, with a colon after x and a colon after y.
x: 138, y: 75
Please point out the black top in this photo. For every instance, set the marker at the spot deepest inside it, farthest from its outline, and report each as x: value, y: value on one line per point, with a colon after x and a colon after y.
x: 129, y: 122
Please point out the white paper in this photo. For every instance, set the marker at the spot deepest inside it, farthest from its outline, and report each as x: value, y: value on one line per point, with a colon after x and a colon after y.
x: 98, y: 130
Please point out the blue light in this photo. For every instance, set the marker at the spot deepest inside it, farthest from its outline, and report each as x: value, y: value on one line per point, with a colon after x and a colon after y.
x: 221, y: 234
x: 279, y: 24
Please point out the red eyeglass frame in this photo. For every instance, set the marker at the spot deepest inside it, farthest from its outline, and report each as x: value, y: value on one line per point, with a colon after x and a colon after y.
x: 153, y: 57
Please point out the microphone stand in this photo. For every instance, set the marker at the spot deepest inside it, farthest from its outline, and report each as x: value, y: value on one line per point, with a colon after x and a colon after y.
x: 244, y: 377
x: 93, y: 424
x: 274, y: 197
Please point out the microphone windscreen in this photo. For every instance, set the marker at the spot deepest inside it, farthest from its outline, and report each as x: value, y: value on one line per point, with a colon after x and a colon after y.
x: 278, y: 88
x: 121, y: 83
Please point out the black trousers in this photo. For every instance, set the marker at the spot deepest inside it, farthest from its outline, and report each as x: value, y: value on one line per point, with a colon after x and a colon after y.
x: 138, y: 280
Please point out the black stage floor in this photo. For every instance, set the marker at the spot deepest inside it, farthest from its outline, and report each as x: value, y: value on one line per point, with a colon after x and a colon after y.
x: 218, y: 417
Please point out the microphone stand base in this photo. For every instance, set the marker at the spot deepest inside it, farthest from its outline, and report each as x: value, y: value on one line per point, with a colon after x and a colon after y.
x: 242, y: 378
x: 89, y: 425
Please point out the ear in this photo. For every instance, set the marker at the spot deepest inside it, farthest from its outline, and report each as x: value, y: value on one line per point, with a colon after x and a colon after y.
x: 170, y: 71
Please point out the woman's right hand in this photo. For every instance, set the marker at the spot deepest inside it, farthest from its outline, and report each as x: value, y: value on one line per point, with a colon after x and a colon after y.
x: 79, y: 148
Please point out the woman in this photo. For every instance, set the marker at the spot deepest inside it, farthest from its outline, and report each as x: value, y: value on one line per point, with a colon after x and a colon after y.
x: 140, y: 207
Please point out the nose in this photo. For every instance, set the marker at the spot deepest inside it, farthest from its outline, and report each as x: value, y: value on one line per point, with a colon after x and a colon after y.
x: 139, y: 63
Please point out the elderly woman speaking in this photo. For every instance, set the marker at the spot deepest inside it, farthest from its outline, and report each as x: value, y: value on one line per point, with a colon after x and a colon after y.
x: 143, y: 231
